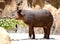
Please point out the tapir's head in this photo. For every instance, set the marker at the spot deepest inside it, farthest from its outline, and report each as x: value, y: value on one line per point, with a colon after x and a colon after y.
x: 19, y: 14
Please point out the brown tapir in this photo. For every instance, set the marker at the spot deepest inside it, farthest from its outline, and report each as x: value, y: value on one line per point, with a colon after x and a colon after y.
x: 36, y: 18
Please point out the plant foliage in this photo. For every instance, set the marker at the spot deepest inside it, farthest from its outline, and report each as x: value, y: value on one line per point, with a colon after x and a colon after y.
x: 10, y: 23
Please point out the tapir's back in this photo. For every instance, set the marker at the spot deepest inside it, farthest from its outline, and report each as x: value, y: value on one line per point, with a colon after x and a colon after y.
x: 38, y: 17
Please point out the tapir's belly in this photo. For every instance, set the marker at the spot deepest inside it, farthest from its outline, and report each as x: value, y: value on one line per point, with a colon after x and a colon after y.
x: 39, y: 21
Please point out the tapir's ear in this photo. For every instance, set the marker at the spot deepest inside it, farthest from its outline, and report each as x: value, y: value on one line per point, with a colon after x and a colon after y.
x: 19, y: 11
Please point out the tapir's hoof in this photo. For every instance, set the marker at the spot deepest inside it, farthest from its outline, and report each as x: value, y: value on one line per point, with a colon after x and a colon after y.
x: 46, y: 38
x: 33, y: 38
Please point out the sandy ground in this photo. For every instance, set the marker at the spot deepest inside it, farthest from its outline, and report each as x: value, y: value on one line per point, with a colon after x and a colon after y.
x: 22, y: 38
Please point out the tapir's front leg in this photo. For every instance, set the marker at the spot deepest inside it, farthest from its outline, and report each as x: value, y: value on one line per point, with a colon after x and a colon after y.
x: 31, y: 32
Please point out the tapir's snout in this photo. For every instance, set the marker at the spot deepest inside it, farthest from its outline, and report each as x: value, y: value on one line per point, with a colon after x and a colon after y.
x: 15, y: 16
x: 12, y: 15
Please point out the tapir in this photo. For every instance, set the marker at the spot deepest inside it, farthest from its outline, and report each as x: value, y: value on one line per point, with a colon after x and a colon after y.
x: 36, y: 18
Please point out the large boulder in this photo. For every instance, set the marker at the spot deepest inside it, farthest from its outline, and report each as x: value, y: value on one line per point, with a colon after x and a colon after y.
x: 4, y: 37
x: 55, y: 3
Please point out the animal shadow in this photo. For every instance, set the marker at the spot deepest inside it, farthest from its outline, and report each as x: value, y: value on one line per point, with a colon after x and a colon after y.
x: 39, y: 39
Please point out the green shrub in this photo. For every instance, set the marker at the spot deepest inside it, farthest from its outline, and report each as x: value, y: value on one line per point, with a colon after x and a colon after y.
x: 10, y: 23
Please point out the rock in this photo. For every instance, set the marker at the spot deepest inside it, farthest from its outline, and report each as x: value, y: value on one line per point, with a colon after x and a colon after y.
x: 4, y: 37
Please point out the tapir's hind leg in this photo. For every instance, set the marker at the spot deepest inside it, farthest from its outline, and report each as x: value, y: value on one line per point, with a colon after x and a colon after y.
x: 46, y: 32
x: 31, y: 32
